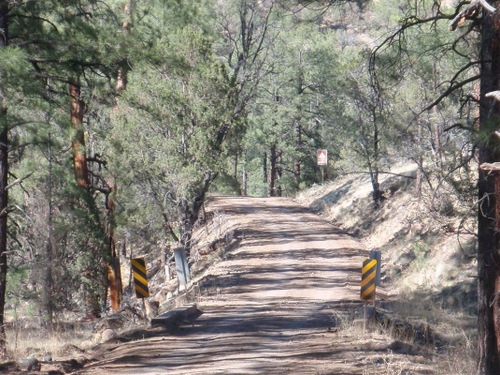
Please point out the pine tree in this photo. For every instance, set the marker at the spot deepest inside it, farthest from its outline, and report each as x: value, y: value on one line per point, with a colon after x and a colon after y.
x: 178, y: 106
x: 4, y: 168
x: 489, y: 204
x: 67, y: 44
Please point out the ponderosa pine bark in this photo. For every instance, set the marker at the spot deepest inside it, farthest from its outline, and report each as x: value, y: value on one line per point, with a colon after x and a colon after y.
x: 79, y: 156
x: 489, y: 206
x: 81, y: 170
x: 114, y: 269
x: 4, y: 169
x: 121, y: 78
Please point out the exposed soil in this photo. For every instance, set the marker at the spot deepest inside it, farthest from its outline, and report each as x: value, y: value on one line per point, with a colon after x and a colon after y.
x: 280, y: 302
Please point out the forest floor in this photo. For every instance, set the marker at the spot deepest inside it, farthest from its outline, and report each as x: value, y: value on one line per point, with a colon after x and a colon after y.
x: 283, y: 298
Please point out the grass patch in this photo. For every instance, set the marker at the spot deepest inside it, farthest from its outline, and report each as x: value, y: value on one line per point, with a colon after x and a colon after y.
x: 37, y: 342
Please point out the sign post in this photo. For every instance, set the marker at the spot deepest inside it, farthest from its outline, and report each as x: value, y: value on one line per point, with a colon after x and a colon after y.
x: 182, y: 268
x: 368, y: 284
x: 376, y: 254
x: 322, y: 157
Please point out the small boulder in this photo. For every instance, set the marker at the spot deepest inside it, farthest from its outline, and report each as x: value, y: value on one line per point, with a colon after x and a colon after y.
x: 112, y: 321
x: 108, y: 335
x: 87, y: 344
x: 29, y: 364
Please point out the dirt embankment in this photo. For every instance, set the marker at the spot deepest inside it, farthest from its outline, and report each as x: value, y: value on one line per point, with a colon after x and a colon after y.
x: 428, y: 252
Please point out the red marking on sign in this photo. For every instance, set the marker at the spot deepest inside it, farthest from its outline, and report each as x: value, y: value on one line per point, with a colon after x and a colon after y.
x: 322, y: 157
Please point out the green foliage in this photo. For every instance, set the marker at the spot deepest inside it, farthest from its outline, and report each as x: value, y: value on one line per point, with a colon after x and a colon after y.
x: 51, y: 43
x: 178, y: 112
x: 16, y: 282
x: 288, y: 113
x: 214, y: 91
x: 226, y: 184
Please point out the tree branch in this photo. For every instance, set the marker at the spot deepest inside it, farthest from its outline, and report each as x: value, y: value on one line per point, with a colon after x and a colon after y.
x: 18, y: 181
x: 450, y: 89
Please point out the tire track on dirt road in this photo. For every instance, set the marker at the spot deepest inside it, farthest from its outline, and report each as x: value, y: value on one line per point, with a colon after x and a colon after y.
x: 280, y: 295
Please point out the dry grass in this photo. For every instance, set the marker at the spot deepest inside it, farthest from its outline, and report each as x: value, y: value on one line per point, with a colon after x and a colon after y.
x: 37, y: 342
x: 383, y: 353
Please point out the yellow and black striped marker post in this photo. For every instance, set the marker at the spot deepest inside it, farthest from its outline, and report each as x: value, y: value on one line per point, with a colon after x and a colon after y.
x: 368, y: 279
x: 140, y: 278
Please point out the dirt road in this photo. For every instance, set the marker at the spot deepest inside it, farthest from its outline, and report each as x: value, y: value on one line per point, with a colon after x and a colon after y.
x: 273, y: 306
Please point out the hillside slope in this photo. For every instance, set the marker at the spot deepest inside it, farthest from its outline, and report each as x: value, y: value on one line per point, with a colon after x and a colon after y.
x: 427, y: 253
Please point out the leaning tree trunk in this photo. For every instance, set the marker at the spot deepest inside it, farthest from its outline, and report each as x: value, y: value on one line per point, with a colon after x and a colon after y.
x: 4, y: 168
x: 489, y: 206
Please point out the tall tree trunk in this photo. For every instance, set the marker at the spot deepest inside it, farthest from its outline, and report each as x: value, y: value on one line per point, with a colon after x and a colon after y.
x: 272, y: 170
x: 46, y: 302
x: 235, y: 167
x: 264, y: 167
x: 373, y: 165
x: 298, y: 125
x: 489, y: 207
x: 114, y: 269
x: 279, y: 172
x: 78, y: 143
x: 419, y: 159
x: 298, y: 147
x: 4, y: 168
x: 244, y: 177
x: 121, y: 79
x: 80, y: 164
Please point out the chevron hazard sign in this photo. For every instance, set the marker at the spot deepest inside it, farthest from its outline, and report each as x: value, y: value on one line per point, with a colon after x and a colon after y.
x: 368, y: 279
x: 140, y: 277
